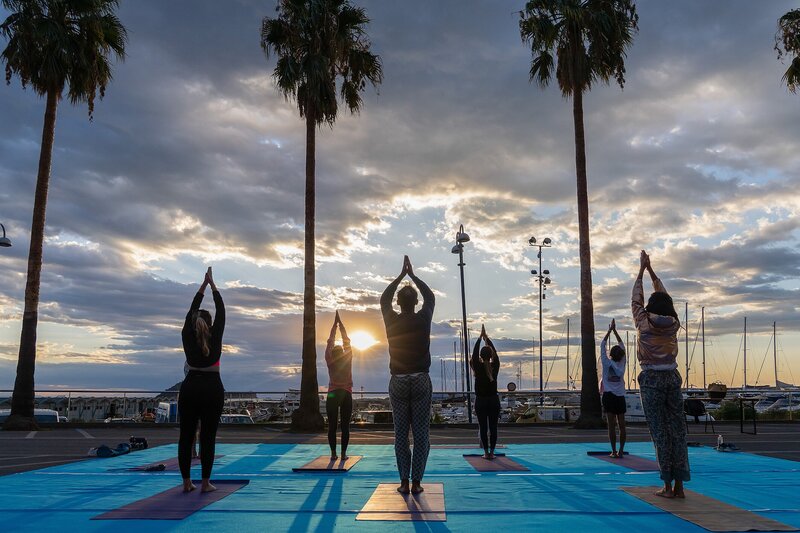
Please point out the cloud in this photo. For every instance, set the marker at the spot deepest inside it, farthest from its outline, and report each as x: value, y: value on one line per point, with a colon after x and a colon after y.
x: 194, y: 158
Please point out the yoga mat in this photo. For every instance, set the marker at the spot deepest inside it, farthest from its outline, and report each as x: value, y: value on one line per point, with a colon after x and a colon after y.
x: 634, y: 462
x: 323, y: 463
x: 171, y: 464
x: 708, y: 513
x: 500, y: 463
x: 461, y: 447
x: 388, y: 504
x: 174, y: 504
x: 593, y: 453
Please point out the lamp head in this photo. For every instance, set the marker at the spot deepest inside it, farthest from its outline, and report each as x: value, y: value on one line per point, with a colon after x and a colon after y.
x: 547, y: 281
x: 457, y: 249
x: 532, y: 241
x: 5, y: 242
x: 533, y: 272
x: 547, y: 241
x: 462, y: 237
x: 545, y: 272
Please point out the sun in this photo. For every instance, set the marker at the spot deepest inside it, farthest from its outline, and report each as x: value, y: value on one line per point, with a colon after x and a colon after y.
x: 361, y: 340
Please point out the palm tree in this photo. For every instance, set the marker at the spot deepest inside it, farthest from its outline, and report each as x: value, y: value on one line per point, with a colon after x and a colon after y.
x: 53, y: 45
x: 787, y: 42
x: 581, y: 42
x: 318, y: 43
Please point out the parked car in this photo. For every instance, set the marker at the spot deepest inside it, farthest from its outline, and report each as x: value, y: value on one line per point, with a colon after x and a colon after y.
x: 46, y: 416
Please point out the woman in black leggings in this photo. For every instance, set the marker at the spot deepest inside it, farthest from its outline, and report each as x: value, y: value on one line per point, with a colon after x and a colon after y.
x: 202, y: 395
x: 485, y: 364
x: 340, y: 387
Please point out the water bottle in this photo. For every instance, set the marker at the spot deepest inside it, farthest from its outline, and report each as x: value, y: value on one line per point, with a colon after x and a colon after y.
x: 720, y: 441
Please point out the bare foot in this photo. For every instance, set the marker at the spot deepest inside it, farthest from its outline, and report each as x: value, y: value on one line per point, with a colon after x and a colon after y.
x: 680, y: 494
x: 613, y: 455
x: 344, y: 457
x: 188, y: 486
x: 416, y: 488
x: 334, y: 457
x: 665, y: 493
x: 485, y: 455
x: 208, y: 487
x: 403, y: 488
x: 620, y: 454
x: 491, y: 455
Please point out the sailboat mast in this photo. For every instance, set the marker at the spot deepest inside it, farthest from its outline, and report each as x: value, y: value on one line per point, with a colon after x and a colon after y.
x: 686, y: 328
x: 775, y: 351
x: 776, y: 372
x: 744, y: 386
x: 703, y: 327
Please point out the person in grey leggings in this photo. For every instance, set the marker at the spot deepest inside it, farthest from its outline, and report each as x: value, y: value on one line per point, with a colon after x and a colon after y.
x: 410, y: 390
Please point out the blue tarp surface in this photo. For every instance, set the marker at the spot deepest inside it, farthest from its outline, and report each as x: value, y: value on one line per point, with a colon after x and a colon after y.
x: 564, y: 490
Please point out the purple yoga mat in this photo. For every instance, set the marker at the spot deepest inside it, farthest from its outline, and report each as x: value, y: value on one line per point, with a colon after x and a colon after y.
x: 500, y: 463
x: 171, y: 464
x: 634, y: 462
x: 174, y: 504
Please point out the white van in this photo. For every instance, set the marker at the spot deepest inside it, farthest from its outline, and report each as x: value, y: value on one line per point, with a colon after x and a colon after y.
x: 45, y: 416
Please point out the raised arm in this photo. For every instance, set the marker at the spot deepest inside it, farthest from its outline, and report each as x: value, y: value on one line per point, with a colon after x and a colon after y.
x: 348, y: 349
x: 428, y: 299
x: 195, y: 306
x: 637, y: 296
x: 219, y: 306
x: 476, y: 357
x: 388, y: 292
x: 495, y: 357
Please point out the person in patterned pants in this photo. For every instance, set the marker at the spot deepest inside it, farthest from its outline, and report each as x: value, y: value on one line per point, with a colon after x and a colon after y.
x: 657, y: 325
x: 410, y: 390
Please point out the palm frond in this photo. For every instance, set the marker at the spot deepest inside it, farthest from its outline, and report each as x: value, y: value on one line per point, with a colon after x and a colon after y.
x: 319, y: 43
x: 53, y: 45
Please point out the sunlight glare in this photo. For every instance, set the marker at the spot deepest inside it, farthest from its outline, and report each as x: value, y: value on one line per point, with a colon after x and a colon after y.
x: 361, y: 340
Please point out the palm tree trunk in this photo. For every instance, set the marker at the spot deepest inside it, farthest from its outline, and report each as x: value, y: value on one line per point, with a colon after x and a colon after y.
x: 21, y: 417
x: 591, y: 415
x: 307, y: 417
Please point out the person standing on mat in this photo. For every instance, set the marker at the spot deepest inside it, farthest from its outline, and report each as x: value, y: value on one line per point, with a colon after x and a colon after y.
x: 613, y: 389
x: 659, y: 381
x: 486, y: 364
x: 340, y: 386
x: 202, y: 395
x: 410, y: 390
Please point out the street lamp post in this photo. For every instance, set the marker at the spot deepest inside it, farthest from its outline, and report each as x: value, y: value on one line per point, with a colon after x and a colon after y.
x: 541, y: 276
x: 461, y: 238
x: 5, y: 242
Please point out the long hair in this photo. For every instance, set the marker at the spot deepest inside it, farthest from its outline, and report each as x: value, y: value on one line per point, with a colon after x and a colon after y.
x: 486, y: 355
x: 202, y: 332
x: 660, y: 303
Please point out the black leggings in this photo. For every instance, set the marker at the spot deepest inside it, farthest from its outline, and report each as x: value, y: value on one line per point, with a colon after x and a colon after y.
x: 339, y: 400
x: 488, y: 410
x: 201, y: 399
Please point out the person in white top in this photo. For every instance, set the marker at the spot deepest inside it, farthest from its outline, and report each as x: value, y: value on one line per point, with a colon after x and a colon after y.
x: 613, y: 389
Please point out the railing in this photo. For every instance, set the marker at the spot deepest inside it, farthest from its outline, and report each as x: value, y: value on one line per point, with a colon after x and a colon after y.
x: 275, y: 407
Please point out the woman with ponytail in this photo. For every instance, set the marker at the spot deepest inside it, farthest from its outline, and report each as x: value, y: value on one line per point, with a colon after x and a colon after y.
x: 201, y: 396
x: 485, y: 365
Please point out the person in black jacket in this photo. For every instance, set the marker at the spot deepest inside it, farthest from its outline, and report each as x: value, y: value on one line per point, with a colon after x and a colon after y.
x: 202, y: 395
x: 486, y: 364
x: 410, y: 390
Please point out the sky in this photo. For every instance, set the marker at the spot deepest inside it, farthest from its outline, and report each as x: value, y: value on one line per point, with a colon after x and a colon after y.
x: 195, y: 159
